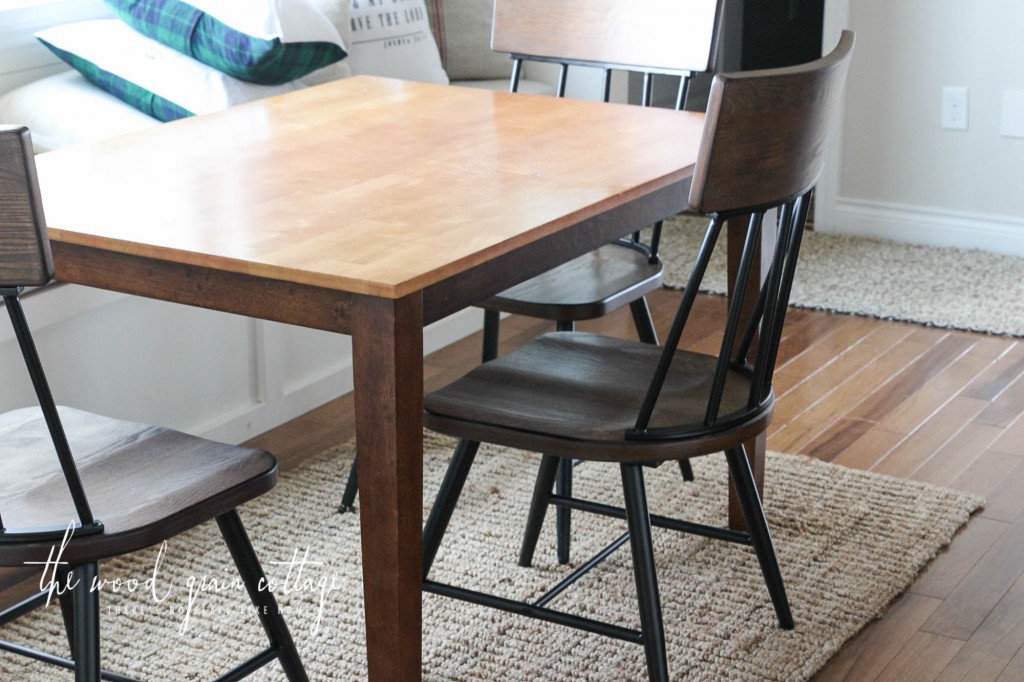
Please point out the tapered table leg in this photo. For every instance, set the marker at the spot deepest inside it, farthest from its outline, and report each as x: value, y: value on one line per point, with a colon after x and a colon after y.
x: 387, y: 343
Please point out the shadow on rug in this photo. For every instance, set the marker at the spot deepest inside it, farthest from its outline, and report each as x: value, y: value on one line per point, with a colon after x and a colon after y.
x: 962, y: 289
x: 848, y: 543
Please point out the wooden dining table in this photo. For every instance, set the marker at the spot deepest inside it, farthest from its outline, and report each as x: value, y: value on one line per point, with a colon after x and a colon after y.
x: 368, y: 207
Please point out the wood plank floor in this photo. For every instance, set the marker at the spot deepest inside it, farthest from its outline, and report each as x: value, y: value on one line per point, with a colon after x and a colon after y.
x: 905, y: 400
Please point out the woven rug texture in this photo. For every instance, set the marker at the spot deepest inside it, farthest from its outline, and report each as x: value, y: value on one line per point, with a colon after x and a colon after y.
x: 848, y: 543
x: 952, y: 288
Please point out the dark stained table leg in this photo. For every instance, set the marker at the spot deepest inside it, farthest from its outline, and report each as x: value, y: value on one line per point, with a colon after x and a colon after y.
x: 736, y: 234
x: 387, y: 342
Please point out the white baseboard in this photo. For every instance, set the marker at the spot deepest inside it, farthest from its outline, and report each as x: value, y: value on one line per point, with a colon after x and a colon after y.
x: 925, y: 225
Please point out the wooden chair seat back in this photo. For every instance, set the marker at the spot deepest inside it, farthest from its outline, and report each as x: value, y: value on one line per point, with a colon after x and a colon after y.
x: 765, y: 132
x: 674, y: 35
x: 25, y: 258
x: 762, y: 149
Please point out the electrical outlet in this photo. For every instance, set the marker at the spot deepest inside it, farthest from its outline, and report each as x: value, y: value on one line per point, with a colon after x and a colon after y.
x: 954, y: 108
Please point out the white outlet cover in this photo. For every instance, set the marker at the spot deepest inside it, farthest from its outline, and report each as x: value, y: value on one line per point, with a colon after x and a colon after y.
x: 954, y: 108
x: 1013, y: 113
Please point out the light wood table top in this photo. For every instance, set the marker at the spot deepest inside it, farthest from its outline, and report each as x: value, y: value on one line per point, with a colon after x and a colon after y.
x: 367, y: 185
x: 369, y: 207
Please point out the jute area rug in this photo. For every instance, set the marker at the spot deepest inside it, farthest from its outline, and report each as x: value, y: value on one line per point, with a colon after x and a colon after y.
x: 942, y: 287
x: 848, y: 543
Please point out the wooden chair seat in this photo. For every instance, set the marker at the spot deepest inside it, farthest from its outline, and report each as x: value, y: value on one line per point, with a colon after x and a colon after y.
x: 585, y: 288
x: 148, y: 483
x: 577, y: 395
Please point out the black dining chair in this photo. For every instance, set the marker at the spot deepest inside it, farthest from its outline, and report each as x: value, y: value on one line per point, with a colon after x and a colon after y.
x: 592, y: 397
x: 625, y: 271
x: 103, y: 486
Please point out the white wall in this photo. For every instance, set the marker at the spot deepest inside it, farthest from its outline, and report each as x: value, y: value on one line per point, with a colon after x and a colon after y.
x: 22, y: 58
x: 899, y: 175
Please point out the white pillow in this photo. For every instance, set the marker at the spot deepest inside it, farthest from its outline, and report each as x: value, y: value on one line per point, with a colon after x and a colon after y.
x: 65, y: 109
x: 152, y: 77
x: 291, y: 21
x: 337, y: 12
x: 395, y: 43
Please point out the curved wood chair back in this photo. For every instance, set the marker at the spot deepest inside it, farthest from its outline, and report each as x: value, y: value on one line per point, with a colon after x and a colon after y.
x: 25, y: 258
x: 762, y: 149
x: 675, y: 35
x: 750, y: 158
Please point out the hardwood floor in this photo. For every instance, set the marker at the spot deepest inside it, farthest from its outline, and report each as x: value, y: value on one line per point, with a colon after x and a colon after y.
x: 905, y: 400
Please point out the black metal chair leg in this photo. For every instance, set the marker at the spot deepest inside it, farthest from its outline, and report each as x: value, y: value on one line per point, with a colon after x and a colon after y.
x: 639, y: 522
x: 249, y: 568
x: 447, y: 497
x: 85, y: 648
x: 348, y: 498
x: 492, y: 326
x: 16, y: 611
x: 67, y: 612
x: 549, y: 466
x: 643, y: 322
x: 685, y: 469
x: 563, y: 516
x: 563, y: 486
x: 761, y: 538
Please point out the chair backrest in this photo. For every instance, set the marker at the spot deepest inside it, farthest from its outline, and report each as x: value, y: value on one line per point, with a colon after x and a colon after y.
x: 791, y: 107
x: 25, y: 260
x: 673, y: 35
x: 763, y: 148
x: 24, y: 248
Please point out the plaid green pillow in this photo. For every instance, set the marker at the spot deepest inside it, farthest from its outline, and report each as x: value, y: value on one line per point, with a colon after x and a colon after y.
x: 131, y: 93
x: 148, y: 75
x: 260, y: 41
